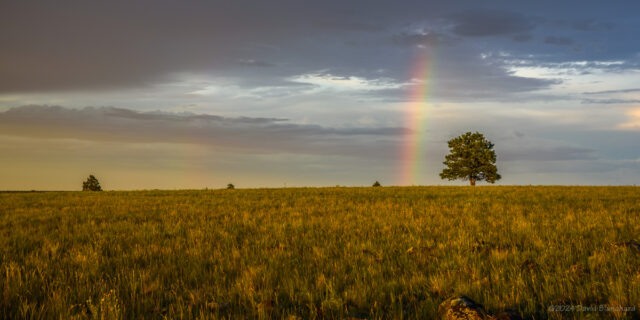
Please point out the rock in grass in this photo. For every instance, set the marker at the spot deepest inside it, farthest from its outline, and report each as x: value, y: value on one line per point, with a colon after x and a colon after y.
x: 462, y: 308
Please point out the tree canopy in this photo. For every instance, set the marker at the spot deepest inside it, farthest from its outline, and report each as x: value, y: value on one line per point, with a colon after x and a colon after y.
x: 91, y: 184
x: 471, y: 157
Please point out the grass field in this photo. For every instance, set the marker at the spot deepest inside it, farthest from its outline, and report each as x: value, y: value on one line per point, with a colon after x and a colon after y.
x: 318, y: 252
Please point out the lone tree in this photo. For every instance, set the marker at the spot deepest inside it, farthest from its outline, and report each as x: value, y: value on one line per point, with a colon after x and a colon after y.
x: 231, y: 186
x: 91, y: 184
x: 471, y: 158
x: 377, y: 184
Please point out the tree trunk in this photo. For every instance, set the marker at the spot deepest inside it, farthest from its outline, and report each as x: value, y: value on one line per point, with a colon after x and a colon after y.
x: 472, y: 181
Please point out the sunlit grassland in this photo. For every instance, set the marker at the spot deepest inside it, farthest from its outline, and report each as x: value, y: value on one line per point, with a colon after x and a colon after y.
x: 317, y: 252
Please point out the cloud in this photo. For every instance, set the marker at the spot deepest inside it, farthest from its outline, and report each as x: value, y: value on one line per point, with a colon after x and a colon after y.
x: 242, y: 134
x: 558, y: 41
x: 111, y: 112
x: 543, y: 153
x: 326, y: 63
x: 471, y: 80
x: 613, y: 91
x: 118, y: 44
x: 592, y: 25
x: 596, y: 72
x: 265, y: 46
x: 345, y: 83
x: 522, y: 37
x: 423, y: 39
x: 634, y: 120
x: 254, y: 63
x: 483, y: 23
x: 610, y: 101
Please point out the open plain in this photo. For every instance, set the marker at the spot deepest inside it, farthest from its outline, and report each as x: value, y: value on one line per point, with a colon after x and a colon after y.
x: 389, y: 252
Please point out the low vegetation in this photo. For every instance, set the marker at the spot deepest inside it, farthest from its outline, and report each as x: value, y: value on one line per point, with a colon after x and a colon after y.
x: 91, y: 184
x: 382, y: 252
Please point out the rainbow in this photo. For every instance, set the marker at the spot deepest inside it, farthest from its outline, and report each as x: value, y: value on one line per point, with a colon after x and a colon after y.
x: 413, y: 145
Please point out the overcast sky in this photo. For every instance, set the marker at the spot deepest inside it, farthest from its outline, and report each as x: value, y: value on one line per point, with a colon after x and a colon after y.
x: 195, y: 94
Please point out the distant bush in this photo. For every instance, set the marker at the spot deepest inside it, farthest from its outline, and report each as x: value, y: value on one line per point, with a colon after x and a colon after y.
x: 91, y: 184
x: 231, y: 186
x: 377, y: 184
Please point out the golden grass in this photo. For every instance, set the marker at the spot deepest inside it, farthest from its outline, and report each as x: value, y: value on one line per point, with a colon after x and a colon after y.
x: 318, y: 252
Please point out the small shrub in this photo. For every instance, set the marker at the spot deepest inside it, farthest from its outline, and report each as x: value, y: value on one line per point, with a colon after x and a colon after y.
x: 91, y: 184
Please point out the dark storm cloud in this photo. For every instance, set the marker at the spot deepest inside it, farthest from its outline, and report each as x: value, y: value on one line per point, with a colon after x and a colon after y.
x: 242, y: 134
x: 70, y: 45
x: 522, y: 37
x: 592, y: 25
x: 422, y: 39
x: 73, y: 45
x: 483, y: 23
x: 558, y: 41
x: 254, y: 63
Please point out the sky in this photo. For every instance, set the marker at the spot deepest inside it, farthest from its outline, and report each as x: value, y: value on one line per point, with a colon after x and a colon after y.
x: 198, y: 94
